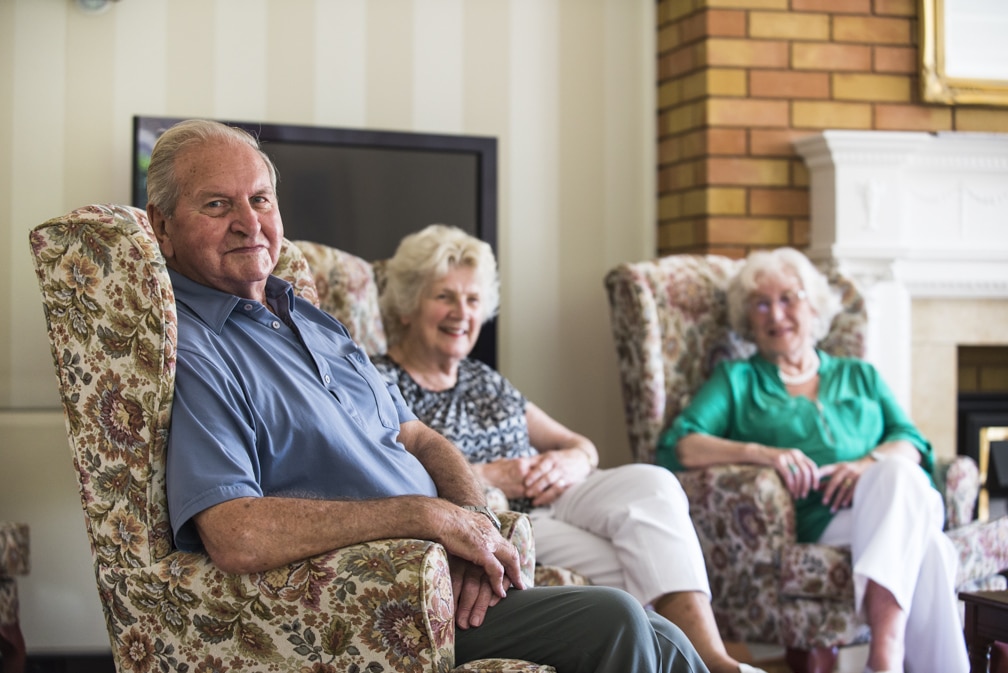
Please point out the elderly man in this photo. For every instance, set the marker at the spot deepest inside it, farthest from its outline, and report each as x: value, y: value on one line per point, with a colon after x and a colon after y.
x: 286, y: 443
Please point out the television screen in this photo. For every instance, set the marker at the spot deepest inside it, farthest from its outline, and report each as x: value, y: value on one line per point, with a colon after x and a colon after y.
x: 363, y: 190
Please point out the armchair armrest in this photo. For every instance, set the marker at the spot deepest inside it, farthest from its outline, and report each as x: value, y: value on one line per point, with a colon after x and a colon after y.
x: 383, y: 604
x: 517, y: 527
x: 380, y: 604
x: 733, y: 503
x: 742, y: 512
x: 958, y: 479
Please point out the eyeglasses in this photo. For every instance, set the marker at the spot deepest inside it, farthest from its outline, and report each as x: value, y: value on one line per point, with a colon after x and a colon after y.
x: 787, y: 301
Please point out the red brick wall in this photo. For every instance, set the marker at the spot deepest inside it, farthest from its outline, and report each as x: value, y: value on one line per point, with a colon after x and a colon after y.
x: 740, y: 80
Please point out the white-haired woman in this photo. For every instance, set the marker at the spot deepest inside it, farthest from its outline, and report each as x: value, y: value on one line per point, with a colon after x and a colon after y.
x: 627, y: 527
x: 858, y: 468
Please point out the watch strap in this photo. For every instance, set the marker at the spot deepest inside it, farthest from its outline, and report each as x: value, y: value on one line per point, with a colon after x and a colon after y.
x: 485, y: 511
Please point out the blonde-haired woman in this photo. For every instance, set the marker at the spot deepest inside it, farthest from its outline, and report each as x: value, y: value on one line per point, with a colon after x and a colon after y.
x: 627, y: 527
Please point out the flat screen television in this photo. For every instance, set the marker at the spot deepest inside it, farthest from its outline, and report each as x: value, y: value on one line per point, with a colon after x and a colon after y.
x: 363, y: 190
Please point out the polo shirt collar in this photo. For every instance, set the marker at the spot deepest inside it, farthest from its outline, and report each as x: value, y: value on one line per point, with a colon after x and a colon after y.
x: 214, y: 307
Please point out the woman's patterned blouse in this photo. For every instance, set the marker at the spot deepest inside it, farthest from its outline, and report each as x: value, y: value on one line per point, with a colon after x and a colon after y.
x: 483, y: 414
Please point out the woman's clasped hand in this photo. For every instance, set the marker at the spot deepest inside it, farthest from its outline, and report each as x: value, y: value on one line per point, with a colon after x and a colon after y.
x: 801, y: 475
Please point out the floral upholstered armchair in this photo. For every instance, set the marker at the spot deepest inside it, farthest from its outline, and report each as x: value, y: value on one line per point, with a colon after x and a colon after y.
x: 670, y: 329
x: 384, y: 605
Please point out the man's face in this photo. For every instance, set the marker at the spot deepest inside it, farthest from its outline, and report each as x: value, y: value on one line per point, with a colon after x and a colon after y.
x: 226, y: 230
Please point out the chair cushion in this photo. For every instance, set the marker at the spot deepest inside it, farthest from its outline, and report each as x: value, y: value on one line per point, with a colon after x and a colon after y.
x: 817, y: 571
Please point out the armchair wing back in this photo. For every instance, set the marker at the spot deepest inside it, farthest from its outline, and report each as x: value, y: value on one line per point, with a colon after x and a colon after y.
x: 669, y: 323
x: 110, y: 310
x: 348, y: 290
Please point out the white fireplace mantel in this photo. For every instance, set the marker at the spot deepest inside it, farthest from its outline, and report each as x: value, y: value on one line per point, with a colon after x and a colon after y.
x: 909, y: 216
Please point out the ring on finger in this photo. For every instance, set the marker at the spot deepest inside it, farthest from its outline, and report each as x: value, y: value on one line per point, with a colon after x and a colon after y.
x: 792, y: 468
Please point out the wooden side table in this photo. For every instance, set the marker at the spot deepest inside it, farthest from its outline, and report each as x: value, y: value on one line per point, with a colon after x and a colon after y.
x: 986, y: 622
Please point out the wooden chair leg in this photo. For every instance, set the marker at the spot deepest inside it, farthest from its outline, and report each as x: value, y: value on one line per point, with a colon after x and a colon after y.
x: 816, y: 660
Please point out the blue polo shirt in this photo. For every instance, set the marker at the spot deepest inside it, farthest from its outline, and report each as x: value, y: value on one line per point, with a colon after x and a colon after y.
x: 277, y: 404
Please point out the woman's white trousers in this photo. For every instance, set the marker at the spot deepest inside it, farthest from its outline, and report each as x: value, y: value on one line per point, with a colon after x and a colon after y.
x: 625, y: 527
x: 894, y: 529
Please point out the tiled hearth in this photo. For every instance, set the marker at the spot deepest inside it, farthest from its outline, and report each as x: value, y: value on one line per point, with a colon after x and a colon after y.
x: 920, y: 222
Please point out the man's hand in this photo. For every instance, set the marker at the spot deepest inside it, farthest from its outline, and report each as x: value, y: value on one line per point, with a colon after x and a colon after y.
x: 484, y: 564
x: 472, y: 592
x: 471, y: 537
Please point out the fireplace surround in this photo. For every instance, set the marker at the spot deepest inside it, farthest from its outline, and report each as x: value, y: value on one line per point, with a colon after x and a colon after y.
x: 920, y: 222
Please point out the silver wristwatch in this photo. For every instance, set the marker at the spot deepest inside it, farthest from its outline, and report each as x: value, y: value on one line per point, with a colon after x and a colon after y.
x: 485, y: 511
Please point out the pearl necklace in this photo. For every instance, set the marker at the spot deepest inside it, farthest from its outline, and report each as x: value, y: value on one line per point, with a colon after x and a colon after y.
x: 804, y: 376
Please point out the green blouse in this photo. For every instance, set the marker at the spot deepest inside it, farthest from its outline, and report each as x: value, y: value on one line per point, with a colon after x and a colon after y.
x: 745, y: 401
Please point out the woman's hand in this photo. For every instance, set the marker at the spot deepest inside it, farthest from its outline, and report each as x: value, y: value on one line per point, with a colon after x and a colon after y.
x: 840, y: 480
x: 507, y: 474
x: 565, y: 457
x: 553, y: 472
x: 800, y: 473
x: 541, y: 478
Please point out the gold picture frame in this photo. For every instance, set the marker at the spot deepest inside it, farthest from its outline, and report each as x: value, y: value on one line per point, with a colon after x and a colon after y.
x: 959, y: 71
